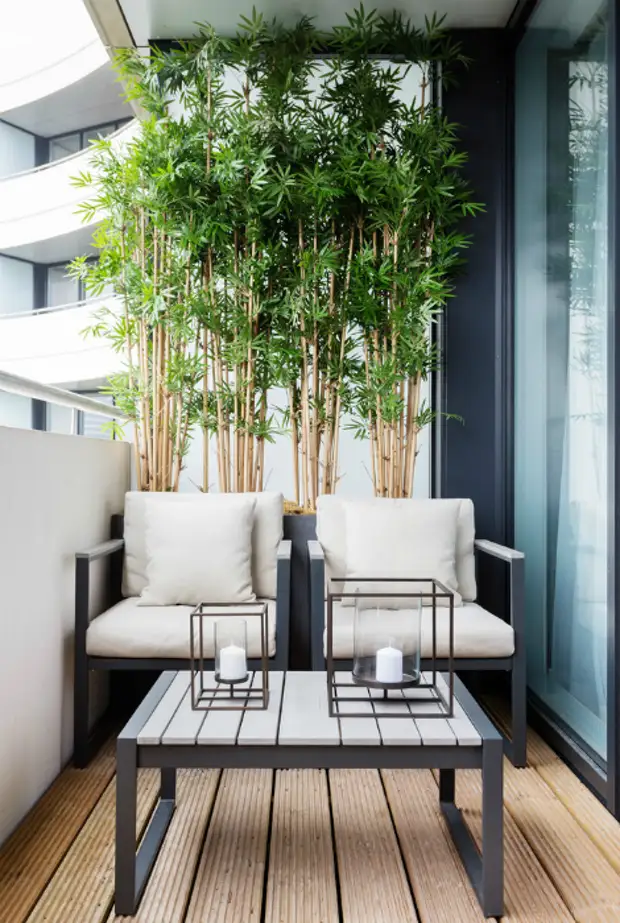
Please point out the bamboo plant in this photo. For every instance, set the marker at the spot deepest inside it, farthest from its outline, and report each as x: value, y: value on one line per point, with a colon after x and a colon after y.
x: 281, y: 223
x: 143, y: 256
x: 404, y: 199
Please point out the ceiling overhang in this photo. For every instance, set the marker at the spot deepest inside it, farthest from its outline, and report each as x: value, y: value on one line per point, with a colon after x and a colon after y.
x: 120, y: 22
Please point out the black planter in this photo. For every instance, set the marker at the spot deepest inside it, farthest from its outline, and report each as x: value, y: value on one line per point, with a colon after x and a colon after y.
x: 300, y: 530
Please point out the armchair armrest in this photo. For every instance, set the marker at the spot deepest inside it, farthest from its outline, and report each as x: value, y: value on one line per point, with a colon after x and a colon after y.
x: 498, y: 551
x: 516, y: 563
x: 101, y: 551
x: 83, y: 560
x: 283, y: 602
x: 285, y: 549
x: 316, y: 552
x: 316, y: 558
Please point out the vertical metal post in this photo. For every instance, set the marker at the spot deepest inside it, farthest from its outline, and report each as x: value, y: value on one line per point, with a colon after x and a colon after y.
x: 126, y: 812
x: 492, y: 884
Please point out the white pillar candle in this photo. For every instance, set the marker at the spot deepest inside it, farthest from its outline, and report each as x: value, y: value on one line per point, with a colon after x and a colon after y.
x: 389, y: 665
x: 233, y: 665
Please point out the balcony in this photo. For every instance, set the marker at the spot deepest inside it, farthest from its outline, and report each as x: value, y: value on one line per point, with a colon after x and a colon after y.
x: 38, y: 209
x: 50, y: 345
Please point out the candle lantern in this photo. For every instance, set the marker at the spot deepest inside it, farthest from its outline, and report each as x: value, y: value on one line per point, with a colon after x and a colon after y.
x: 386, y: 642
x: 219, y: 636
x: 387, y: 648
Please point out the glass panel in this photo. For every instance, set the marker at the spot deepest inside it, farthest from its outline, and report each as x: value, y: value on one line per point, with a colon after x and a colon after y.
x: 61, y: 288
x: 93, y: 134
x: 64, y: 146
x: 561, y: 371
x: 93, y: 424
x: 60, y: 419
x: 15, y: 410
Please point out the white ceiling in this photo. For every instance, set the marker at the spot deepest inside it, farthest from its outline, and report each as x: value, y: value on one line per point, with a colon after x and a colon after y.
x: 95, y: 99
x: 161, y: 19
x: 58, y: 249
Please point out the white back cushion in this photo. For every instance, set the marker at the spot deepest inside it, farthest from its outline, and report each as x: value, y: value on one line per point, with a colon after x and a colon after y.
x: 331, y: 533
x: 266, y: 536
x: 199, y: 552
x: 389, y: 541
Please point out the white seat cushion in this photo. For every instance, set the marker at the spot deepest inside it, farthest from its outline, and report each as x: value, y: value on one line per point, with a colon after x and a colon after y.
x: 331, y: 533
x: 130, y: 630
x: 266, y: 537
x: 477, y: 633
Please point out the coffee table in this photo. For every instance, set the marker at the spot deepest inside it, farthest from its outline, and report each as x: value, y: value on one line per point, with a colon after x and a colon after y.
x: 297, y: 732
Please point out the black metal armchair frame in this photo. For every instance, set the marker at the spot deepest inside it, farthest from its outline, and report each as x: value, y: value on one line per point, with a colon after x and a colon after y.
x: 113, y: 549
x: 515, y: 748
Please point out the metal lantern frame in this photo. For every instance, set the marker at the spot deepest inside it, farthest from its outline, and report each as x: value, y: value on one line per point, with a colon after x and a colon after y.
x: 435, y: 694
x: 217, y: 696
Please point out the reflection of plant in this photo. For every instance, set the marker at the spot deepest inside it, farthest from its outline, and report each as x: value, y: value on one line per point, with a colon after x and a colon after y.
x: 587, y: 145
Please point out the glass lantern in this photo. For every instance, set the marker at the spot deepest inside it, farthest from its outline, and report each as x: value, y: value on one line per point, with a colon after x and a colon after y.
x: 230, y: 646
x: 387, y: 641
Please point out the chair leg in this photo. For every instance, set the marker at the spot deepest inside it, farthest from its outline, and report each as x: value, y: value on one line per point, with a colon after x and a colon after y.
x: 81, y: 748
x: 519, y: 714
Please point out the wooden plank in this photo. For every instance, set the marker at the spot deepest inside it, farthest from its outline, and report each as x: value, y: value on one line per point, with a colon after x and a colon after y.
x: 184, y: 724
x: 152, y: 731
x: 229, y: 880
x: 357, y: 731
x: 429, y: 853
x: 261, y: 727
x: 221, y: 725
x: 529, y: 893
x: 168, y: 890
x: 82, y: 889
x: 31, y: 855
x: 302, y: 879
x: 373, y: 882
x: 585, y: 879
x: 590, y: 814
x: 394, y: 731
x: 305, y: 715
x: 601, y: 827
x: 436, y: 732
x: 464, y: 731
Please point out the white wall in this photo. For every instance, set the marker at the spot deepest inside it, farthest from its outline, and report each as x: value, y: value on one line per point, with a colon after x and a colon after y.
x: 355, y: 478
x: 16, y: 150
x: 57, y: 494
x: 16, y: 286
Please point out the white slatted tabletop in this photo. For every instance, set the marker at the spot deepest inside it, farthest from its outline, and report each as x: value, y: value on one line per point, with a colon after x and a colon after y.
x: 298, y: 715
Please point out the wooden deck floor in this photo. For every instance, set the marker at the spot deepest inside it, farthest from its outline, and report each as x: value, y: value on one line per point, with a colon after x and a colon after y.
x: 310, y: 847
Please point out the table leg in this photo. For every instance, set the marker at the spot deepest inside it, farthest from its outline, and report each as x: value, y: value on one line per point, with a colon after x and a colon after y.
x: 133, y: 869
x: 126, y: 808
x: 492, y: 885
x: 485, y: 872
x: 446, y: 786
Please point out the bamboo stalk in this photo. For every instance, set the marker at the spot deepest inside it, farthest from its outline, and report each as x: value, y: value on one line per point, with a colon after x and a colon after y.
x: 295, y: 442
x: 305, y: 421
x: 343, y: 338
x: 205, y: 408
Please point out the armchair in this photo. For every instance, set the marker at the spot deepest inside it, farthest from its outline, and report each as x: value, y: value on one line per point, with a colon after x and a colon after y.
x: 482, y: 641
x: 128, y: 636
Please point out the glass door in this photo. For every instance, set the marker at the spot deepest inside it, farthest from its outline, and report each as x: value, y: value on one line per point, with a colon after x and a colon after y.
x: 561, y: 381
